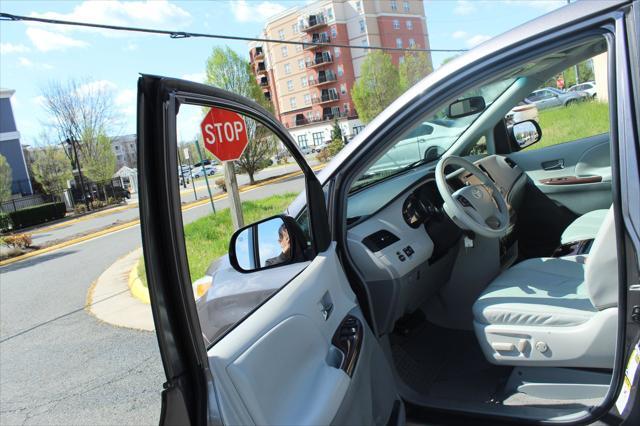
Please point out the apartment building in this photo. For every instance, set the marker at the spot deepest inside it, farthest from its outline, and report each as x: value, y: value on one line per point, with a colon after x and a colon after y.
x: 310, y: 85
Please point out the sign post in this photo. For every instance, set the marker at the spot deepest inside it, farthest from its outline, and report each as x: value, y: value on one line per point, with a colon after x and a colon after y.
x: 193, y: 184
x: 206, y: 178
x: 224, y: 134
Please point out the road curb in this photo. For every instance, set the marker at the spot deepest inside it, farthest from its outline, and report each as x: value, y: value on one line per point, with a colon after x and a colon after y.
x: 135, y: 222
x: 136, y: 287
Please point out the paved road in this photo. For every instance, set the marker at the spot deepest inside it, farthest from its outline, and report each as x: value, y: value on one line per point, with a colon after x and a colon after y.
x: 96, y: 223
x: 60, y: 365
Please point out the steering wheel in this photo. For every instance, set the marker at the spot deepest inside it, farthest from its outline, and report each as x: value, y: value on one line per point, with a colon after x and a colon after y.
x: 478, y: 208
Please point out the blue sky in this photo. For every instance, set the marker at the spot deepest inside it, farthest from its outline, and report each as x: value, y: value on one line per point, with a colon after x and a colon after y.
x: 32, y: 55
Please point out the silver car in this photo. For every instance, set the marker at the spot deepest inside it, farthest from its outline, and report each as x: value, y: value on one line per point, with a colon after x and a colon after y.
x: 550, y: 97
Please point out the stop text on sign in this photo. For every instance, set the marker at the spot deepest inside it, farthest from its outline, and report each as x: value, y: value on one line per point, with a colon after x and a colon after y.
x: 224, y: 133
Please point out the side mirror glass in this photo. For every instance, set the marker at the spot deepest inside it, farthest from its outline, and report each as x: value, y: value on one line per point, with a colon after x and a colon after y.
x: 526, y: 133
x: 466, y: 106
x: 271, y: 242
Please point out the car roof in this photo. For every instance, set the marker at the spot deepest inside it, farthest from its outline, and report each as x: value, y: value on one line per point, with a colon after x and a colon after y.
x: 570, y: 13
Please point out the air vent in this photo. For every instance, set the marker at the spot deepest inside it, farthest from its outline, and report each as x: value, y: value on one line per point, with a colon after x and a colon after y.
x: 510, y: 162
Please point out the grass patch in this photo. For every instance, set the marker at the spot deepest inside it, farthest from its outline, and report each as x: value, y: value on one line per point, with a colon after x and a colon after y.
x: 208, y: 237
x: 566, y: 124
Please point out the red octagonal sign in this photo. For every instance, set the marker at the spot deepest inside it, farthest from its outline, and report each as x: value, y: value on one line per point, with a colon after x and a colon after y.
x: 224, y: 133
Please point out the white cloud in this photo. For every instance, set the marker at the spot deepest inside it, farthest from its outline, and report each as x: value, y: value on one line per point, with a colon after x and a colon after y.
x: 39, y: 100
x: 477, y: 39
x: 464, y: 7
x: 130, y: 47
x: 256, y: 12
x: 46, y: 41
x: 459, y: 34
x: 126, y: 101
x: 7, y: 48
x: 198, y: 77
x: 24, y: 62
x: 124, y: 13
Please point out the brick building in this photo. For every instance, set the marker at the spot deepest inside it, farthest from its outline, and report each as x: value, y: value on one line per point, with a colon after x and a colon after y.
x: 310, y: 86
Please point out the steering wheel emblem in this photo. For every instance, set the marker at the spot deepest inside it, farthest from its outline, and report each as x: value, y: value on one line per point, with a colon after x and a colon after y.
x: 477, y: 193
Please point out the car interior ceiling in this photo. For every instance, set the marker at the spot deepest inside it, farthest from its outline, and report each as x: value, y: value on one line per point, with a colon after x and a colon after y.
x: 430, y: 338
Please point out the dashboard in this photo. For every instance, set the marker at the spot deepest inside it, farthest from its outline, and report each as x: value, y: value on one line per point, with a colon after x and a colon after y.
x: 406, y: 247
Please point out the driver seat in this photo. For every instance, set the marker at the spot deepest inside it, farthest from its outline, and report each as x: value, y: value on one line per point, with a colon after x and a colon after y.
x: 554, y: 312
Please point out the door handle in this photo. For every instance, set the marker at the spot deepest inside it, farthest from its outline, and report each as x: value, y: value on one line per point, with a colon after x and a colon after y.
x: 326, y: 306
x: 553, y: 165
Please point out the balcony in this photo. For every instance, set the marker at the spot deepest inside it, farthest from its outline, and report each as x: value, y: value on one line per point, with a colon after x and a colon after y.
x: 316, y: 38
x: 313, y: 22
x: 264, y: 82
x: 261, y: 68
x: 325, y: 98
x: 323, y: 79
x: 319, y: 60
x: 259, y: 54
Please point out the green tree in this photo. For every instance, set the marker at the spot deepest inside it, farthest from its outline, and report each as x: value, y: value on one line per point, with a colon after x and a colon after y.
x: 377, y: 87
x: 415, y: 67
x: 101, y: 165
x: 51, y: 168
x: 227, y: 70
x: 336, y: 131
x: 5, y: 179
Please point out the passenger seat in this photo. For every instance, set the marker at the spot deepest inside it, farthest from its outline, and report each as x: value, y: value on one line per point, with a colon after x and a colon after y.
x: 584, y: 228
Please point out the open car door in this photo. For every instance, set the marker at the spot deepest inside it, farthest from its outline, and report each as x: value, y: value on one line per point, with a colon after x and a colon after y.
x: 305, y: 354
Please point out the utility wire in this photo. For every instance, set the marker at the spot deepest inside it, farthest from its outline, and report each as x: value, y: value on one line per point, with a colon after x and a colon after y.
x: 183, y: 34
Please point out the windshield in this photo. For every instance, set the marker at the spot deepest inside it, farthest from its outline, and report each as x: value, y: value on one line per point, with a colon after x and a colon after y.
x: 429, y: 139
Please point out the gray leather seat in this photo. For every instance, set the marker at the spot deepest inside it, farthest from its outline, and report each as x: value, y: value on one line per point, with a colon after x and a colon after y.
x: 554, y: 311
x: 585, y: 227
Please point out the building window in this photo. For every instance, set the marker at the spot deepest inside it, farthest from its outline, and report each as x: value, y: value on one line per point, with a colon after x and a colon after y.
x: 301, y: 64
x: 290, y: 85
x: 396, y: 24
x: 302, y: 141
x: 281, y: 34
x: 346, y: 108
x: 284, y: 51
x: 117, y: 147
x: 287, y: 68
x: 310, y: 118
x: 292, y: 102
x: 412, y: 43
x: 394, y: 5
x: 357, y: 129
x: 303, y: 81
x: 336, y: 52
x: 294, y: 28
x: 399, y: 43
x: 343, y: 89
x: 318, y: 138
x: 334, y: 32
x: 359, y: 6
x: 405, y: 5
x: 363, y: 26
x: 365, y: 43
x: 410, y: 25
x: 307, y: 99
x: 298, y: 48
x: 340, y: 70
x: 330, y: 14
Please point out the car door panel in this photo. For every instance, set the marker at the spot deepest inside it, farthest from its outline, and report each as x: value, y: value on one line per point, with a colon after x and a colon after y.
x: 576, y: 175
x: 253, y: 363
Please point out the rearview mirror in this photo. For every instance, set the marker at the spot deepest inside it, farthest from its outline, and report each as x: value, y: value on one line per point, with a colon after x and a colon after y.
x: 271, y: 242
x: 467, y: 106
x: 526, y: 133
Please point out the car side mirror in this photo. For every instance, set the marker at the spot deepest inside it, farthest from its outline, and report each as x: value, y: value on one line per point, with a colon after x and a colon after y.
x: 526, y: 133
x: 271, y: 242
x: 466, y: 106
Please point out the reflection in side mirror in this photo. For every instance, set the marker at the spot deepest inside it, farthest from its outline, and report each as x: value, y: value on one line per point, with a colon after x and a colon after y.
x: 526, y: 133
x: 466, y: 106
x: 268, y: 243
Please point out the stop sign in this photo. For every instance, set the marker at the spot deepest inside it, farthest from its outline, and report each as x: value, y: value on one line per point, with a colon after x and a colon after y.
x: 224, y: 133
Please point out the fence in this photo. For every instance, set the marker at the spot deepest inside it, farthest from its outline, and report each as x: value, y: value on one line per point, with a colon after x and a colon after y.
x: 24, y: 202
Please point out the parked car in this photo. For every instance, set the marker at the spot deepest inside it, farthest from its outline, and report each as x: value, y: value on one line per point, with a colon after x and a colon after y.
x: 198, y: 172
x: 550, y: 97
x: 589, y: 88
x: 319, y: 147
x: 306, y: 150
x: 522, y: 112
x: 499, y: 288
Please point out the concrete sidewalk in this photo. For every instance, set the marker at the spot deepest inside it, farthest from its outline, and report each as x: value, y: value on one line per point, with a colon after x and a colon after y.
x: 110, y: 300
